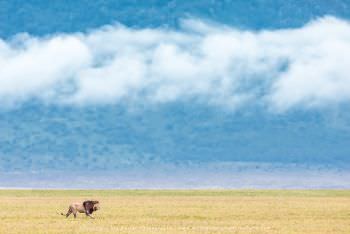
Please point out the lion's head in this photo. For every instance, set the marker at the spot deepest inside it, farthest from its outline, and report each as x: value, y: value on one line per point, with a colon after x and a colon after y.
x: 96, y: 205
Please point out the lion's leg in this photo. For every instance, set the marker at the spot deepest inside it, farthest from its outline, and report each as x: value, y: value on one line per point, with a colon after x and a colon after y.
x: 69, y: 212
x: 88, y: 214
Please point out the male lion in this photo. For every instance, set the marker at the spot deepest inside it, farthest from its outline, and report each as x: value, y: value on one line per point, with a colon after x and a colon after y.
x: 87, y: 207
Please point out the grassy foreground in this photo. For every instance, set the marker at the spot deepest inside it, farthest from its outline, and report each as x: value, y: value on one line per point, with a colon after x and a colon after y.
x: 163, y: 211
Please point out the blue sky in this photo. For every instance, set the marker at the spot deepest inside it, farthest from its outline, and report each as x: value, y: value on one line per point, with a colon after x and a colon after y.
x: 175, y: 93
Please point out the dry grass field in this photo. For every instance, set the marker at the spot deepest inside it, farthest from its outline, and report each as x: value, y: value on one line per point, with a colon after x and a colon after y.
x: 163, y: 211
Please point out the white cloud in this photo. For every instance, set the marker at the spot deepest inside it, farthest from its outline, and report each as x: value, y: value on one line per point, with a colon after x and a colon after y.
x: 214, y: 64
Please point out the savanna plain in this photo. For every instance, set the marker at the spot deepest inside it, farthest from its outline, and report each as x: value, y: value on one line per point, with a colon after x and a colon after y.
x: 178, y: 211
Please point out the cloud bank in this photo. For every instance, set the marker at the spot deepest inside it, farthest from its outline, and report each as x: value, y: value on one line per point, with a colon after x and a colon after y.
x: 305, y: 67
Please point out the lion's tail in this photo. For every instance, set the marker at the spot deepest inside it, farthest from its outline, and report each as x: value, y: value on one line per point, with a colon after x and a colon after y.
x: 60, y: 213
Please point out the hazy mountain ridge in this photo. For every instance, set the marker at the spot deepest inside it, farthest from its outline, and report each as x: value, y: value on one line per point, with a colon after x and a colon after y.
x: 62, y: 137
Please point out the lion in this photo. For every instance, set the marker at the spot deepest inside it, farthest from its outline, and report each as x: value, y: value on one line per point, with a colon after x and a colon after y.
x: 87, y: 207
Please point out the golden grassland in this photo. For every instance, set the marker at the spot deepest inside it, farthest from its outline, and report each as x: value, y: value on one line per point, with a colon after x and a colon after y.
x: 178, y: 211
